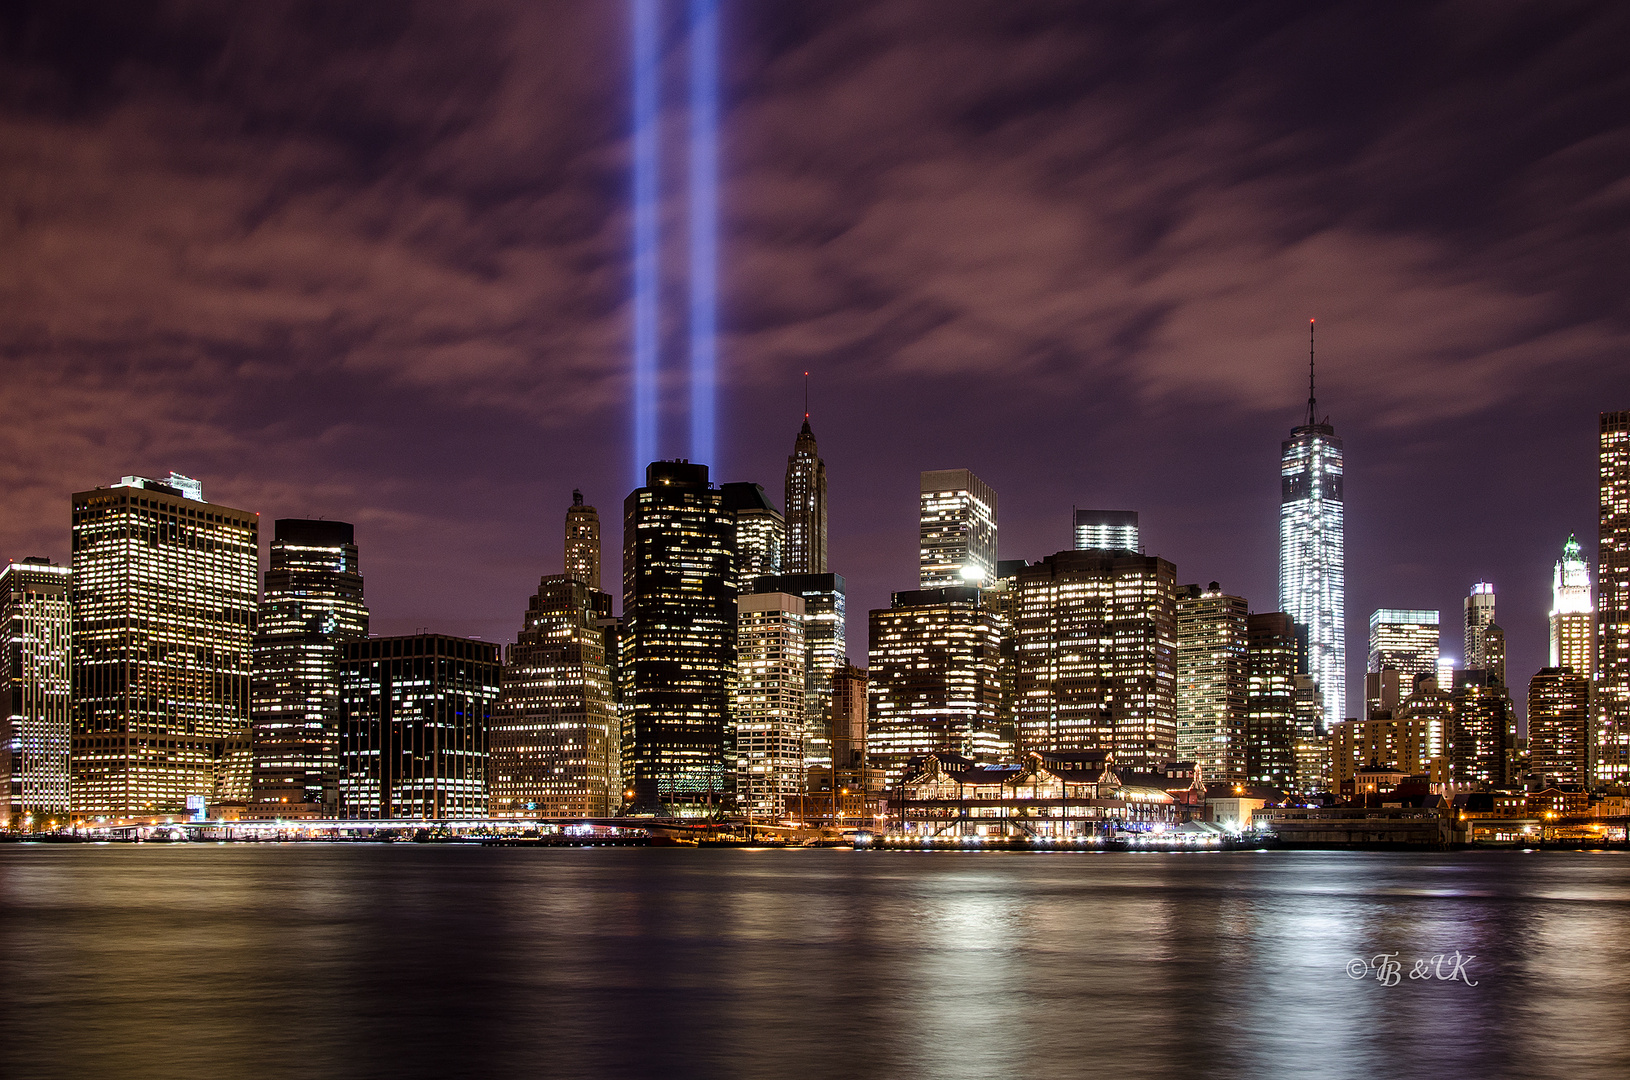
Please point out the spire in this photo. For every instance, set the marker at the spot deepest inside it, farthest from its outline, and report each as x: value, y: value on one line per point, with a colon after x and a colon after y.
x: 1311, y: 400
x: 806, y: 399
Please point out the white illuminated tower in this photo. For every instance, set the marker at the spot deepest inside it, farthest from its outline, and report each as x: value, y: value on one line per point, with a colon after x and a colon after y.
x: 1573, y: 616
x: 1312, y: 549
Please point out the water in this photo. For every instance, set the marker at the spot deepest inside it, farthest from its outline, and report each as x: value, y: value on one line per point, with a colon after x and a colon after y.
x: 406, y: 961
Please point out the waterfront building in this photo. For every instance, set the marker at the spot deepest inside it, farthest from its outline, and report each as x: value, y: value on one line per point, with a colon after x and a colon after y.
x: 312, y: 604
x: 164, y: 597
x: 554, y: 737
x: 35, y: 715
x: 805, y: 550
x: 1095, y: 634
x: 957, y: 530
x: 1312, y: 749
x: 1276, y: 653
x: 1612, y: 683
x: 678, y: 640
x: 1213, y: 680
x: 1573, y: 616
x: 1484, y: 734
x: 1559, y: 726
x: 933, y: 677
x: 1406, y: 641
x: 583, y: 542
x: 767, y: 721
x: 1312, y: 550
x: 1479, y: 612
x: 853, y: 778
x: 415, y: 714
x: 825, y: 652
x: 760, y: 531
x: 1115, y: 530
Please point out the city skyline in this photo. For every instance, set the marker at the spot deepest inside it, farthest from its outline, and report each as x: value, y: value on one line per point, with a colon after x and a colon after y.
x: 1456, y: 372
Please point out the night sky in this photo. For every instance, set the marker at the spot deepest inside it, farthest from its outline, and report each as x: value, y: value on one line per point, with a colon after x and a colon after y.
x: 370, y: 261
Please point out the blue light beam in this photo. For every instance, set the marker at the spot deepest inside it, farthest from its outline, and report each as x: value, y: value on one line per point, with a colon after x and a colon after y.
x: 646, y: 149
x: 704, y: 226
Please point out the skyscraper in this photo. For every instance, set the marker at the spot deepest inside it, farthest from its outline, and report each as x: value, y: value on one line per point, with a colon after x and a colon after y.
x: 1115, y: 530
x: 825, y: 651
x: 554, y: 737
x: 1573, y: 618
x: 1405, y: 640
x: 678, y: 639
x: 1559, y: 726
x: 35, y: 725
x: 1275, y: 655
x: 583, y: 542
x: 767, y: 722
x: 853, y: 777
x: 312, y: 603
x: 805, y: 551
x: 1484, y: 731
x: 933, y: 677
x: 164, y: 617
x: 958, y: 530
x: 1312, y: 549
x: 1212, y: 680
x: 760, y: 531
x: 415, y: 713
x: 1613, y: 604
x: 1095, y: 636
x: 1479, y: 613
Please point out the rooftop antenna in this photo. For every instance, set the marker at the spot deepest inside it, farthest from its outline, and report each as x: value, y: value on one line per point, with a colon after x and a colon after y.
x: 806, y: 395
x: 1310, y: 398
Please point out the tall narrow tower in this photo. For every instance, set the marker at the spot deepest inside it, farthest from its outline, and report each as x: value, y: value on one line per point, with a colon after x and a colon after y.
x: 1479, y: 614
x: 805, y: 551
x: 583, y: 542
x: 1613, y: 604
x: 1573, y: 618
x: 1312, y: 548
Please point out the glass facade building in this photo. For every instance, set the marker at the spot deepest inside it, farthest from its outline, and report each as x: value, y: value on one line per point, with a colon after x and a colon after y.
x: 415, y: 712
x: 1405, y: 640
x: 35, y: 717
x: 805, y: 551
x: 957, y: 530
x: 1212, y: 680
x: 678, y: 640
x: 164, y: 597
x: 767, y: 718
x: 1095, y: 665
x: 554, y: 739
x: 1109, y: 529
x: 1612, y: 683
x: 1312, y: 554
x: 312, y: 604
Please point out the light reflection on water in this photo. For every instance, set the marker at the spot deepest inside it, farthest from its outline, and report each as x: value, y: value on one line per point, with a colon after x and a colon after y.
x: 400, y: 961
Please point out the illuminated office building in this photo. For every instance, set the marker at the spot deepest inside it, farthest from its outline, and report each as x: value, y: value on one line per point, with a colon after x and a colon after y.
x: 767, y: 721
x: 312, y: 603
x: 1494, y: 651
x: 35, y: 719
x: 805, y: 550
x: 1559, y: 726
x: 1573, y: 617
x: 678, y: 640
x: 1405, y: 641
x: 554, y: 739
x: 825, y: 652
x: 1114, y: 530
x: 760, y: 531
x: 1312, y: 552
x: 1312, y: 747
x: 1424, y: 722
x: 933, y: 678
x: 854, y: 778
x: 1612, y: 683
x: 583, y: 542
x: 1276, y: 653
x: 957, y: 530
x: 164, y: 618
x: 1479, y: 613
x: 415, y: 713
x: 1095, y: 637
x: 1483, y: 737
x: 1212, y: 680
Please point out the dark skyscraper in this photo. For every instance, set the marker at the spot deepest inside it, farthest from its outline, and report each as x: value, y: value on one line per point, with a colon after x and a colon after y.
x: 1559, y: 735
x: 312, y: 604
x: 1275, y: 656
x: 1613, y: 604
x: 678, y: 639
x: 805, y: 551
x: 164, y: 616
x: 583, y: 542
x: 415, y: 715
x: 35, y: 620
